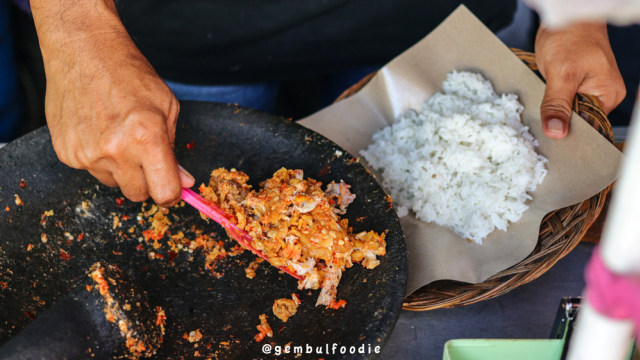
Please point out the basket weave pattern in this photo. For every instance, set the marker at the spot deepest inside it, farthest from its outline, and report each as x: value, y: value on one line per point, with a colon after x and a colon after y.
x: 560, y: 231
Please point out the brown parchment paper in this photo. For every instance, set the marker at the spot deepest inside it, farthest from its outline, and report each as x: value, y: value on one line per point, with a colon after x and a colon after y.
x: 579, y: 166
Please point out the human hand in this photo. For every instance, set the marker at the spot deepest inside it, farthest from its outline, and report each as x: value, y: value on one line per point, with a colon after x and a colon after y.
x: 575, y: 59
x: 107, y: 110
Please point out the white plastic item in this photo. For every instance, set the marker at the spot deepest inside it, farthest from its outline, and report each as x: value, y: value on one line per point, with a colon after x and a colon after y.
x: 621, y: 236
x: 597, y: 337
x: 557, y: 13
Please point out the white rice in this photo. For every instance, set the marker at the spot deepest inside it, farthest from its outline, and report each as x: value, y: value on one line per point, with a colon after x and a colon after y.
x: 464, y: 161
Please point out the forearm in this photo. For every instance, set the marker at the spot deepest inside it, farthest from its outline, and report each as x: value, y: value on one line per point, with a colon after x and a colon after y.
x: 107, y: 110
x: 72, y: 23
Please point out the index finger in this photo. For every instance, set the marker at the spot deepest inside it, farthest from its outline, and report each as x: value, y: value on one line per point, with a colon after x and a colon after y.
x: 162, y: 174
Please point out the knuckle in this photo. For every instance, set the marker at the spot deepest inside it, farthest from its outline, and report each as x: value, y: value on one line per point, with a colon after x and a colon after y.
x: 137, y: 196
x: 65, y: 159
x: 110, y: 147
x: 61, y: 152
x: 135, y: 192
x: 167, y: 199
x: 566, y: 73
x: 176, y: 104
x: 146, y: 131
x: 555, y: 106
x: 562, y: 71
x: 67, y: 155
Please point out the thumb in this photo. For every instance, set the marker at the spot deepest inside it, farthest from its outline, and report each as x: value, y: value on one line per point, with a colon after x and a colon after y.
x: 555, y: 110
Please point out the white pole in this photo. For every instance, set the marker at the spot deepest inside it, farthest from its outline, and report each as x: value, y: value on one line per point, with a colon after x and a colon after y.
x: 596, y: 336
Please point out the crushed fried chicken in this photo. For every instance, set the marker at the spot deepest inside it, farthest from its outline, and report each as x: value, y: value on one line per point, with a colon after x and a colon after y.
x: 250, y: 270
x: 264, y: 329
x: 297, y: 225
x: 283, y: 309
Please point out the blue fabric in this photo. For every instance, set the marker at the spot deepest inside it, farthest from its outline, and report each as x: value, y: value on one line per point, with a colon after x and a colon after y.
x: 10, y: 110
x: 340, y: 81
x: 260, y: 96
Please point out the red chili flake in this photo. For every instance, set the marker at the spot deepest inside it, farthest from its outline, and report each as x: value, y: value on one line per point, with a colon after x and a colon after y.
x: 30, y: 315
x: 160, y: 316
x: 119, y: 201
x: 144, y: 268
x: 172, y: 255
x: 390, y: 201
x: 125, y: 217
x: 23, y: 184
x: 64, y: 255
x: 208, y: 346
x: 190, y: 145
x: 149, y: 234
x: 29, y: 247
x: 117, y: 252
x: 159, y: 256
x: 140, y: 247
x: 80, y: 236
x: 89, y: 287
x: 3, y: 285
x: 361, y: 218
x: 7, y: 208
x: 337, y: 304
x: 324, y: 171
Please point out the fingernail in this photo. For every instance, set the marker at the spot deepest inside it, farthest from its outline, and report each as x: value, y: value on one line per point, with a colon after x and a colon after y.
x: 184, y: 174
x: 556, y: 126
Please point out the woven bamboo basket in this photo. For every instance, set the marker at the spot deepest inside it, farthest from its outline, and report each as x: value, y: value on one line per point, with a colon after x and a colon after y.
x: 560, y: 231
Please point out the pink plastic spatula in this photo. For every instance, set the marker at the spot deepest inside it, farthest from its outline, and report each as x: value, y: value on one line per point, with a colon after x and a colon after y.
x: 218, y: 215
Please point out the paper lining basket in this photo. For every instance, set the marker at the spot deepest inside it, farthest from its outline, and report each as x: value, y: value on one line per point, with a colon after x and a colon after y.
x: 560, y: 231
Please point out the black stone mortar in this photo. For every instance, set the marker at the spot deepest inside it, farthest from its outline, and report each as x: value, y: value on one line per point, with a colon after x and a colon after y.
x: 77, y: 326
x: 226, y: 308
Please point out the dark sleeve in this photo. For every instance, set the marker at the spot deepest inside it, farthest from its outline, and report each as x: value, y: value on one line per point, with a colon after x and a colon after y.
x: 233, y: 41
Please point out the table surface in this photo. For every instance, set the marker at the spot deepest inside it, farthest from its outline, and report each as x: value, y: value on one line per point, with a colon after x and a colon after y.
x: 527, y: 312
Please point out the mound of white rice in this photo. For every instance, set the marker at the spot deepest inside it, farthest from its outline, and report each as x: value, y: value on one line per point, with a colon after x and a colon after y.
x: 464, y: 161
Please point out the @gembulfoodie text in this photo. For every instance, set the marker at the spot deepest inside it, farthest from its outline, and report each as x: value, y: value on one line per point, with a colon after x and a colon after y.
x: 326, y: 349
